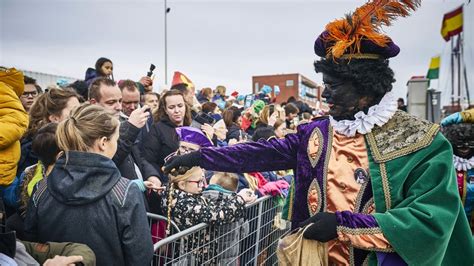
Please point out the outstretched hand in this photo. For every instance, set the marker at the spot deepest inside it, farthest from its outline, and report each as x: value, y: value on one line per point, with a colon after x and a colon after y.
x: 187, y: 160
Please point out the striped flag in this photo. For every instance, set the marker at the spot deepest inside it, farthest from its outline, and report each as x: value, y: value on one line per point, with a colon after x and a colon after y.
x: 452, y: 23
x: 433, y: 71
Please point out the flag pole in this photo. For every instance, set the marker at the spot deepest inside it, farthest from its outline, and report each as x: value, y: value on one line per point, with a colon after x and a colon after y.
x: 458, y: 58
x: 166, y: 44
x: 452, y: 74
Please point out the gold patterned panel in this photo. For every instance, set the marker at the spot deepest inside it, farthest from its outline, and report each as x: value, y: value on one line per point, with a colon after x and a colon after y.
x: 359, y: 231
x: 314, y: 198
x: 315, y: 146
x: 326, y: 162
x: 401, y: 135
x: 369, y: 207
x: 385, y: 187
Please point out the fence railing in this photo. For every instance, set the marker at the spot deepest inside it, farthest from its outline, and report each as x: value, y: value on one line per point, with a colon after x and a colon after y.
x: 249, y: 241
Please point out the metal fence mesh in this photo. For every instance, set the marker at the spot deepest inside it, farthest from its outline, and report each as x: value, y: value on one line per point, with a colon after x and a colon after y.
x: 249, y: 241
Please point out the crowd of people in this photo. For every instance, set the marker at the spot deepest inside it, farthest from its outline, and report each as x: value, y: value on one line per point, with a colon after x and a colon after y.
x: 99, y: 146
x: 81, y: 164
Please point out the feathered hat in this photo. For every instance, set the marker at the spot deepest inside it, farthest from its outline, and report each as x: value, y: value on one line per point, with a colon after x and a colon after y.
x: 358, y: 35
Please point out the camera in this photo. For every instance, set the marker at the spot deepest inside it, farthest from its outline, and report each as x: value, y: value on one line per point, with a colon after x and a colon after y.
x: 149, y: 73
x: 203, y: 118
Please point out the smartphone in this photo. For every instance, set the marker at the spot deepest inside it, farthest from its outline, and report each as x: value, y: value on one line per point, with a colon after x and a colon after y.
x: 249, y: 99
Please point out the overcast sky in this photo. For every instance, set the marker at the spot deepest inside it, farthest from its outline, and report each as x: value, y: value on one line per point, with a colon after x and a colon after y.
x: 213, y: 42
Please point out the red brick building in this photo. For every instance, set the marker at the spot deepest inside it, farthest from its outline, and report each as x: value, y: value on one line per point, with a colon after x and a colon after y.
x: 295, y: 85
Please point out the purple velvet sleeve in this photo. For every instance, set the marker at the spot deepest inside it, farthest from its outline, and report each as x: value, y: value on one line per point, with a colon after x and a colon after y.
x: 274, y: 154
x: 355, y: 220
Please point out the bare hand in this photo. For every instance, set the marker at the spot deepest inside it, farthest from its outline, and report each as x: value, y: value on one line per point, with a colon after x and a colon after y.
x: 139, y: 116
x: 63, y: 261
x: 247, y: 195
x: 147, y: 82
x: 272, y: 119
x: 154, y: 183
x: 208, y: 129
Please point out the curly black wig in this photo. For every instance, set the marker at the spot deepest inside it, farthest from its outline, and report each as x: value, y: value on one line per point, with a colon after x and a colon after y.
x: 371, y: 76
x: 459, y: 135
x: 458, y: 132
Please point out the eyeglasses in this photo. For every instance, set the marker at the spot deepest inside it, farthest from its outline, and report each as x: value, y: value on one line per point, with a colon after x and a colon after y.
x: 31, y: 93
x: 199, y: 183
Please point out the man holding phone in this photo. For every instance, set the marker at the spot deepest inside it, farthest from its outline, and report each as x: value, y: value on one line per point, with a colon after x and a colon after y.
x: 128, y: 158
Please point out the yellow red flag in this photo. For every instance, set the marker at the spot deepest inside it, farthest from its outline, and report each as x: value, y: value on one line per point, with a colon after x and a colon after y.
x: 452, y: 23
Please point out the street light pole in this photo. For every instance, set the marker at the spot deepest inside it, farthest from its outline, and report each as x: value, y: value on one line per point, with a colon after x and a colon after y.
x: 166, y: 45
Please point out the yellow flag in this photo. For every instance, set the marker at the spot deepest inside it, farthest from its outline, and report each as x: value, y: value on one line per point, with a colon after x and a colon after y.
x: 452, y: 23
x: 433, y: 71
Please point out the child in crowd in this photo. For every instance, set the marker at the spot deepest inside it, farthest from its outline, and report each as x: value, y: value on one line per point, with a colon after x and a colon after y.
x: 188, y: 207
x: 224, y: 185
x: 46, y: 148
x: 103, y: 68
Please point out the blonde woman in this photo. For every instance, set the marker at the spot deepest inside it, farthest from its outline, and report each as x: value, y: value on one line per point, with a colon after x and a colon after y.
x: 85, y: 199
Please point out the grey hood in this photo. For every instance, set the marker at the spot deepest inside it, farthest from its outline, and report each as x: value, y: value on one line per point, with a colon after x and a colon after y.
x: 80, y: 178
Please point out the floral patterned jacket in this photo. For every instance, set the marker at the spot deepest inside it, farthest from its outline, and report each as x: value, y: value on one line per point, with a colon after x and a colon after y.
x: 190, y: 209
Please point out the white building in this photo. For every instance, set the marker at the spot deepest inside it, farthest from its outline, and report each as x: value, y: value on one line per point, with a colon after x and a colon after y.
x: 45, y: 80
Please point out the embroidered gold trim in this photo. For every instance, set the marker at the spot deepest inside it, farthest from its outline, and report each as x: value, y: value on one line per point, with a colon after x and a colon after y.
x: 314, y: 186
x: 386, y: 250
x: 386, y: 187
x: 325, y: 172
x: 292, y: 198
x: 362, y: 231
x: 464, y: 189
x: 359, y: 231
x: 351, y: 255
x: 314, y: 158
x: 369, y: 204
x: 366, y: 260
x: 359, y: 56
x: 401, y: 135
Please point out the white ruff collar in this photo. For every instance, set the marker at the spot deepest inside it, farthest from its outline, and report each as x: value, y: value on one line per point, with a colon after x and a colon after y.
x: 462, y: 164
x: 378, y: 115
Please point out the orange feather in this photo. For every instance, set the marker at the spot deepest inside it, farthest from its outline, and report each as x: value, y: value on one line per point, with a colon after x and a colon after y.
x: 366, y: 22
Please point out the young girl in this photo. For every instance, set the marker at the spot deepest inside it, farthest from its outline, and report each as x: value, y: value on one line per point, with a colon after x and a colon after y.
x: 187, y: 206
x: 103, y: 68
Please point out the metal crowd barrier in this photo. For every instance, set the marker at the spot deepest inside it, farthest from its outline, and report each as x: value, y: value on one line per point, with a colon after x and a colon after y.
x: 249, y: 241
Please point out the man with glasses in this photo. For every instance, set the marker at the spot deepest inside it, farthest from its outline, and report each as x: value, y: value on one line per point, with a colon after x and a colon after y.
x: 31, y: 92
